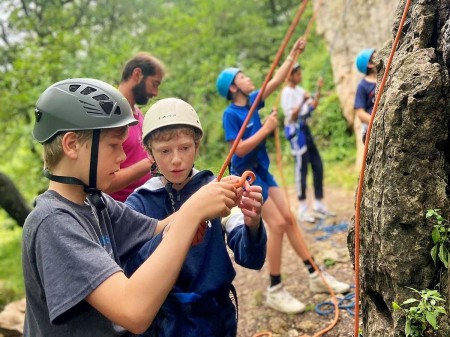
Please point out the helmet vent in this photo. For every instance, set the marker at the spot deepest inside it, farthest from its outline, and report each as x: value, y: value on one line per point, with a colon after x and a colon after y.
x: 101, y: 97
x: 117, y: 111
x: 74, y: 87
x: 88, y: 90
x: 106, y: 106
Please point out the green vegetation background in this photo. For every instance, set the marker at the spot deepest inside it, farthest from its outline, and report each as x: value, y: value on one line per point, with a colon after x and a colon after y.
x: 54, y: 40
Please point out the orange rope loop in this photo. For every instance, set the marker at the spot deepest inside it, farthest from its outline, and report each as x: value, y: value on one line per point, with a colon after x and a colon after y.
x: 363, y: 166
x: 247, y: 178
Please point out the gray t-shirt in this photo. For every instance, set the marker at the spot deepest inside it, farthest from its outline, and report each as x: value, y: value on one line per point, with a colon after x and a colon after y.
x: 69, y: 250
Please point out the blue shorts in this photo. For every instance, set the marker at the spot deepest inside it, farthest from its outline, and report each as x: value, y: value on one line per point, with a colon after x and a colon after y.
x: 266, y: 180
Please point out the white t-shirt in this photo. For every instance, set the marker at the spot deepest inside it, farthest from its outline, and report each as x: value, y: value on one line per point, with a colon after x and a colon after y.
x: 291, y: 98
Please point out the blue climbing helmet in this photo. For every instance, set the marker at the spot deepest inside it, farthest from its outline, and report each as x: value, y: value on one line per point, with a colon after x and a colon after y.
x: 225, y: 79
x: 363, y: 58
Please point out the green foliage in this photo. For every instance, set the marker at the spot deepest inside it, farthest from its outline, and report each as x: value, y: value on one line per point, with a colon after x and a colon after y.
x: 423, y: 314
x: 48, y: 41
x: 328, y: 262
x: 440, y: 236
x: 11, y: 280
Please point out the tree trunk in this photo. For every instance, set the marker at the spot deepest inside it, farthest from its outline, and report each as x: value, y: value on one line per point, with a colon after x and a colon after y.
x: 407, y: 172
x: 12, y: 201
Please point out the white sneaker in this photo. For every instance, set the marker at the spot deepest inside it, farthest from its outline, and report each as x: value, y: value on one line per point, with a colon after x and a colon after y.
x: 279, y: 299
x: 316, y: 284
x: 323, y: 211
x: 304, y: 216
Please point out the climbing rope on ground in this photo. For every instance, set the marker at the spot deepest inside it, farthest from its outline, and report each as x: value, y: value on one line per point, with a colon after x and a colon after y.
x: 363, y: 166
x: 346, y: 303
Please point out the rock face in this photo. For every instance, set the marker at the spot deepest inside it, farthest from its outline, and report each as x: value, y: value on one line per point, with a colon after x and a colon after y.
x: 407, y: 172
x: 350, y: 26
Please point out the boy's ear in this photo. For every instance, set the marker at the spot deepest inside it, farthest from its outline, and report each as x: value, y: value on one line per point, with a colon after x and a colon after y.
x: 70, y: 145
x: 233, y: 88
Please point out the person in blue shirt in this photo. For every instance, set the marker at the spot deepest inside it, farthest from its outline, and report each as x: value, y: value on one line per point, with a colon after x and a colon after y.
x: 199, y: 303
x: 251, y: 154
x: 365, y: 93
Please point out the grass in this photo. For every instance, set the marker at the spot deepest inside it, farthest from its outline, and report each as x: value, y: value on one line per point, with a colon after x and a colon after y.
x: 11, y: 279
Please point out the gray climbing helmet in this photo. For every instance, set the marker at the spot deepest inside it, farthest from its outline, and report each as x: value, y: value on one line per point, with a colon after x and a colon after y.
x: 80, y: 104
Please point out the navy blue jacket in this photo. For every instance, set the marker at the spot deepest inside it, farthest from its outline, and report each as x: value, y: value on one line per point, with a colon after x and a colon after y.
x: 199, y: 304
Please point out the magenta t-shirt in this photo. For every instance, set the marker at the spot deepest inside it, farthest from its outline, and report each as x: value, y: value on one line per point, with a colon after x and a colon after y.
x: 135, y: 152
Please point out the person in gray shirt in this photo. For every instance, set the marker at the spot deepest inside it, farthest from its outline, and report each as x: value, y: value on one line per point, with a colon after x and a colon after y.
x: 77, y: 239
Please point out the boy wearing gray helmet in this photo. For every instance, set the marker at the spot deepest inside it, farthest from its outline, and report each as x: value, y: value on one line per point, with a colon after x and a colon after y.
x: 76, y: 240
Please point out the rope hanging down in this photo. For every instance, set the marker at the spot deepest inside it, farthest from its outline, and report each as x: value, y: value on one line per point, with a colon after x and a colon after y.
x: 298, y: 235
x: 363, y: 166
x: 275, y: 62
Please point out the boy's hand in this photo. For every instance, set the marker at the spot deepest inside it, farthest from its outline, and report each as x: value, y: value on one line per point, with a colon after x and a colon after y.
x: 250, y: 205
x: 212, y: 200
x: 320, y: 83
x: 231, y: 179
x: 299, y: 45
x: 271, y: 122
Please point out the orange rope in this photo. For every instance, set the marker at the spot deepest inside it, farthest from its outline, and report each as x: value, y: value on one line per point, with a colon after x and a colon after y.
x: 289, y: 33
x: 293, y: 222
x: 247, y: 178
x: 363, y: 166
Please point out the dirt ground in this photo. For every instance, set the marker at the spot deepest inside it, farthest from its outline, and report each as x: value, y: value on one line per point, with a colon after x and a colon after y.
x: 255, y: 317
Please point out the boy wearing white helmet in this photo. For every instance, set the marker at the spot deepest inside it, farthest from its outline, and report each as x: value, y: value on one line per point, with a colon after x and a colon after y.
x: 365, y: 93
x: 76, y: 239
x: 199, y: 304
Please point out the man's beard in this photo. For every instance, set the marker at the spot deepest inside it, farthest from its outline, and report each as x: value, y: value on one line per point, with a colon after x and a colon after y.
x: 140, y: 94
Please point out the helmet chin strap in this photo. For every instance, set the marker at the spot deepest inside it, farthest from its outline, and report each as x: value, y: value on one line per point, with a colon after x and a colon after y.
x: 94, y: 194
x: 243, y: 93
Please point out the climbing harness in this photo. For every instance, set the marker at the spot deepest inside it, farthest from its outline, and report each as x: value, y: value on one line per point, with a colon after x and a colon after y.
x: 363, y: 166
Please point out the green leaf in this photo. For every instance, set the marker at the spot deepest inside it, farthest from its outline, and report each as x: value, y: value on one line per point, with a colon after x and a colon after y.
x: 410, y: 300
x: 443, y: 255
x: 396, y: 306
x: 408, y: 328
x: 435, y: 235
x: 431, y: 318
x: 429, y: 213
x: 434, y: 254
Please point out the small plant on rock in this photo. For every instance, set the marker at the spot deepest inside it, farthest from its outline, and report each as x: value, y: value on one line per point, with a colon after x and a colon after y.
x: 440, y: 236
x: 423, y: 314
